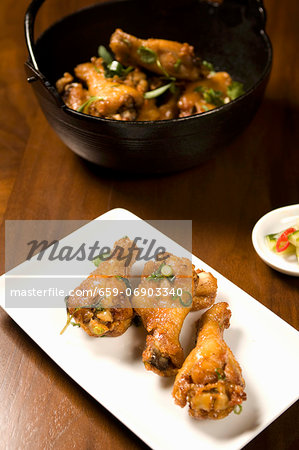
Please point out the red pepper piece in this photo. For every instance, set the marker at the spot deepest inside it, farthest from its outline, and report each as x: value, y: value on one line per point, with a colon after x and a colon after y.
x: 282, y: 242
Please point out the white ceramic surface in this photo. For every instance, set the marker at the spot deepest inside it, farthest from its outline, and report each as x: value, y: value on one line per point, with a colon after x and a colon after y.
x: 112, y: 372
x: 274, y: 222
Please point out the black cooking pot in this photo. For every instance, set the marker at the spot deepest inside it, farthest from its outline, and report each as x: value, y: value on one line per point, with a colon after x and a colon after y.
x: 231, y: 35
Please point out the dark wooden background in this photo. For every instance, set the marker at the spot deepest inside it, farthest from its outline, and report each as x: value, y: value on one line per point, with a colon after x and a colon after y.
x: 40, y: 178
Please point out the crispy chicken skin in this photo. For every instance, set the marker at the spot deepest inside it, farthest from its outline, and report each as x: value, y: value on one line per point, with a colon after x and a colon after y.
x: 114, y: 100
x: 163, y: 353
x: 192, y: 100
x: 177, y: 59
x: 75, y: 95
x: 211, y: 379
x: 104, y: 319
x: 204, y: 289
x: 150, y: 110
x: 62, y: 82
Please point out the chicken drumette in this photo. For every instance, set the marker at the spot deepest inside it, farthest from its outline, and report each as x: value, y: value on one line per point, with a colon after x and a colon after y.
x: 163, y: 315
x: 157, y: 55
x: 100, y: 304
x: 111, y: 98
x: 210, y: 379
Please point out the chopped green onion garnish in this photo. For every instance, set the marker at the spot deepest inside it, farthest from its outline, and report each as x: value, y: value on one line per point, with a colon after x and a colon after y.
x: 167, y: 271
x: 100, y: 259
x: 187, y: 300
x: 163, y: 271
x: 213, y: 97
x: 147, y: 55
x: 88, y: 103
x: 157, y: 92
x: 68, y: 320
x: 177, y: 64
x: 125, y: 280
x: 199, y: 89
x: 103, y: 53
x: 111, y: 66
x: 210, y: 95
x: 235, y: 89
x: 207, y: 65
x: 220, y: 374
x: 116, y: 68
x: 164, y: 71
x: 238, y: 409
x: 127, y: 42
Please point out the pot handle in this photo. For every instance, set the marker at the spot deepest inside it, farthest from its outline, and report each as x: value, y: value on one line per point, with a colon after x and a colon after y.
x: 30, y: 17
x: 258, y: 7
x: 32, y: 69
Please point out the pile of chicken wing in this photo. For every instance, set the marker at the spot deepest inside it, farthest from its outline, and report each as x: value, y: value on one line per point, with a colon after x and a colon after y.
x: 146, y: 80
x: 210, y: 379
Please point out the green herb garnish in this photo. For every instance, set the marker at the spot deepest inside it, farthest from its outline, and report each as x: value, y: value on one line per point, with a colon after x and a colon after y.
x: 177, y: 64
x: 213, y: 97
x: 235, y: 89
x: 98, y: 259
x: 68, y: 320
x: 160, y: 274
x: 167, y: 76
x: 116, y: 68
x: 75, y: 324
x: 210, y: 95
x: 157, y: 275
x: 238, y: 409
x: 220, y: 374
x: 125, y: 280
x: 186, y: 301
x: 111, y: 66
x: 199, y: 89
x: 127, y: 42
x: 105, y: 54
x: 89, y: 102
x: 97, y: 305
x: 209, y: 66
x: 157, y: 92
x: 147, y: 55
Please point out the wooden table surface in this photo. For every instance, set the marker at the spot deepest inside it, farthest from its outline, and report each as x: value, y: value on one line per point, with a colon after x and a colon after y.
x: 40, y: 407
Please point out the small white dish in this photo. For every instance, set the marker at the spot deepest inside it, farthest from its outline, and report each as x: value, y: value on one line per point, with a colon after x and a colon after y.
x: 274, y: 222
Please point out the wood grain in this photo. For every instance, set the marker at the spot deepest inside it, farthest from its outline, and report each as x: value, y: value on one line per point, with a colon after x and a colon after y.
x: 40, y: 178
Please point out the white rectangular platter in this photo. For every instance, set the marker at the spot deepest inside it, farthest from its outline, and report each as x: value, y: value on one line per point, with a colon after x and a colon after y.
x: 111, y: 369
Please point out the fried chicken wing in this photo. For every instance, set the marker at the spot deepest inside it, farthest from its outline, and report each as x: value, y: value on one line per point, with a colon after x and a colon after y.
x: 163, y: 353
x: 204, y: 94
x: 75, y: 95
x: 210, y: 379
x: 90, y: 305
x: 150, y: 110
x: 137, y: 79
x: 157, y: 55
x: 63, y: 81
x: 204, y: 289
x: 111, y: 98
